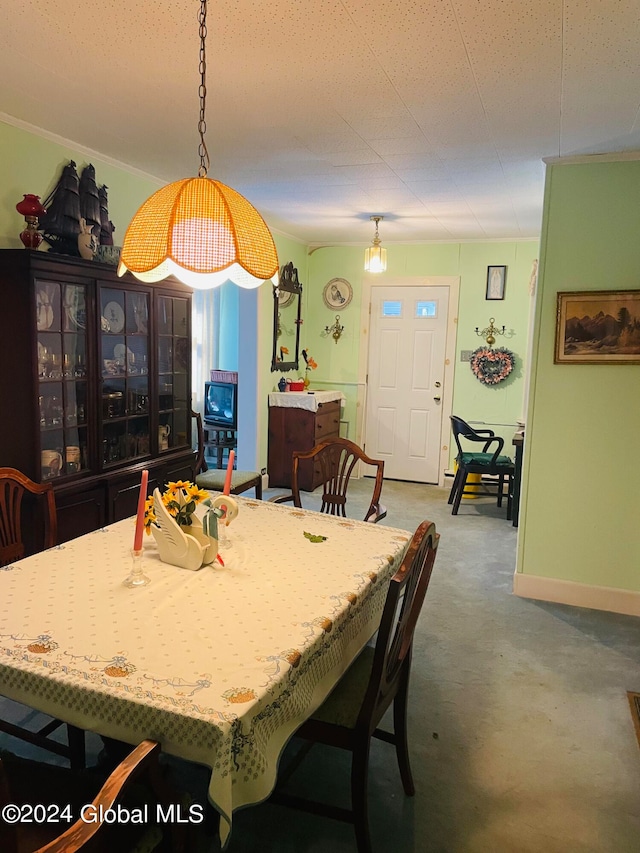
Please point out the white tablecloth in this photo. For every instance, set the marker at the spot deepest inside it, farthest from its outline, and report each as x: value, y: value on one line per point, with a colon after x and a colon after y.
x: 304, y: 399
x: 219, y: 665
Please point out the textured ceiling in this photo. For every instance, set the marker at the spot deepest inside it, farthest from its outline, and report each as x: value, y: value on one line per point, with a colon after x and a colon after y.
x: 434, y: 114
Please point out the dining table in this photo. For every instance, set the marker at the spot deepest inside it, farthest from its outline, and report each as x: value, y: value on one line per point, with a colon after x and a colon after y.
x: 220, y: 665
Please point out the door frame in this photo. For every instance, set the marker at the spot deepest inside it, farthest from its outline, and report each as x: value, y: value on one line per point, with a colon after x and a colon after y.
x: 453, y: 283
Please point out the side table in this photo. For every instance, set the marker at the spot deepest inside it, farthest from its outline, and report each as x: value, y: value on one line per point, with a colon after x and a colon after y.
x: 220, y: 440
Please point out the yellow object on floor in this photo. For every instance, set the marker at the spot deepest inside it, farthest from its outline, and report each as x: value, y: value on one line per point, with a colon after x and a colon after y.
x: 471, y: 480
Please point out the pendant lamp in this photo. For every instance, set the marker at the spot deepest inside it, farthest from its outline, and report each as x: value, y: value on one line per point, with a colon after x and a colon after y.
x: 375, y: 257
x: 197, y: 229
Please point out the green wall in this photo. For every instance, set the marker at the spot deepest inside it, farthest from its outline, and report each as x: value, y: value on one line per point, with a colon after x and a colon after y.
x: 33, y: 164
x: 338, y: 364
x: 579, y: 519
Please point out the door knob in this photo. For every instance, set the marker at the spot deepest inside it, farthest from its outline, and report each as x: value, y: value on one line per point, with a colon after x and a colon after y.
x: 437, y: 399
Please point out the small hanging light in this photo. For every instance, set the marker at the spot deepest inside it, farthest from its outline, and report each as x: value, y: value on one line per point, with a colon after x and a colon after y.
x: 375, y: 257
x: 197, y: 229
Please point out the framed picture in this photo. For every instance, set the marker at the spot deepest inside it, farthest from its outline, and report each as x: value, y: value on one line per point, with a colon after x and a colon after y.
x: 496, y: 278
x: 598, y: 327
x: 337, y: 293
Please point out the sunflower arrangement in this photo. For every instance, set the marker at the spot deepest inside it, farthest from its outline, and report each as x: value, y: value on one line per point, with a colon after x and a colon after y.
x: 181, y: 499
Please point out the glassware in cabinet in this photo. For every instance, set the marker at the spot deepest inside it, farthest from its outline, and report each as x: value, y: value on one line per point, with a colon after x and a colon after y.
x: 124, y: 349
x: 62, y: 371
x: 174, y: 362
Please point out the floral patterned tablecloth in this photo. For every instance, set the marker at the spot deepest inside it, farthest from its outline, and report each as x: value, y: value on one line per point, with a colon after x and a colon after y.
x: 221, y: 665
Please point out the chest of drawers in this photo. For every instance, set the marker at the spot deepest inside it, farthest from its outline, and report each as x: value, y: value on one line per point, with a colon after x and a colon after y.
x: 298, y: 429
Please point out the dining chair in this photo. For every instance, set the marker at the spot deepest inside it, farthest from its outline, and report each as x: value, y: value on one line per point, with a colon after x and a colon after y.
x: 351, y: 714
x: 488, y: 461
x: 16, y: 518
x: 14, y: 487
x: 334, y: 460
x: 199, y: 463
x: 214, y: 479
x: 25, y: 783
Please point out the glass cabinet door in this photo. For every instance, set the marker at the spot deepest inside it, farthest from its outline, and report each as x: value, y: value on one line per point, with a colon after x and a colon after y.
x: 61, y: 318
x: 124, y: 355
x: 174, y: 425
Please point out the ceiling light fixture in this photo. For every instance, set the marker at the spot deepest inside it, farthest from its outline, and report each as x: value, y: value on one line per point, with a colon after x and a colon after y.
x: 197, y: 229
x: 375, y: 257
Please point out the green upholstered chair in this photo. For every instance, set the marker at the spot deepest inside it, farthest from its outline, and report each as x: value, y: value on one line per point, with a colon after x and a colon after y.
x: 378, y: 678
x: 485, y: 460
x: 214, y: 479
x: 240, y: 481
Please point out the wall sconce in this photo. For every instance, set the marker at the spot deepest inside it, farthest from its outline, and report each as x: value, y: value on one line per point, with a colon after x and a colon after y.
x: 489, y: 334
x: 336, y: 330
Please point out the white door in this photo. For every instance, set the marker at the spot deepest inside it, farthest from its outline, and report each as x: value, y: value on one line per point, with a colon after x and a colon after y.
x: 407, y: 343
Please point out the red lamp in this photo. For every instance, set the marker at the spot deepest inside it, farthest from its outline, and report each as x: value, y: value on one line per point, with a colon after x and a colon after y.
x: 31, y: 209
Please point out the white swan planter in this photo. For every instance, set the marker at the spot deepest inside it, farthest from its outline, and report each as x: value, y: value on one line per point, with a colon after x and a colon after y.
x: 190, y: 547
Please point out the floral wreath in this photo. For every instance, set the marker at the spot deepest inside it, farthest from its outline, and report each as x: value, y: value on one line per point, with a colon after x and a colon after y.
x: 491, y: 366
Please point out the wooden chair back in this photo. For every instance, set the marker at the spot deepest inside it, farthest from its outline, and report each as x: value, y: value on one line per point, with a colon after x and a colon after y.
x: 25, y: 781
x: 335, y: 460
x: 14, y: 486
x: 392, y: 657
x: 200, y: 463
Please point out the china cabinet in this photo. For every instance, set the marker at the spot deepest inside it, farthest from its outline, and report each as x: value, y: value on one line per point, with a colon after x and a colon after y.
x: 95, y: 384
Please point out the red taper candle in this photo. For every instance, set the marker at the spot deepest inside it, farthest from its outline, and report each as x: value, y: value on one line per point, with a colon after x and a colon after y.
x: 227, y: 482
x: 142, y: 497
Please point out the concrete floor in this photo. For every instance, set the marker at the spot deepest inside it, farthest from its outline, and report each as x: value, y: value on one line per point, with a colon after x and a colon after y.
x: 520, y: 731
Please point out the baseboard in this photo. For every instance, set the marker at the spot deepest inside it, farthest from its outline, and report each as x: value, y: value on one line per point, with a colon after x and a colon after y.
x: 577, y: 594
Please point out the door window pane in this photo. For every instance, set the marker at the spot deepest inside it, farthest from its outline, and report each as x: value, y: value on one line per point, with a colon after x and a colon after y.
x: 391, y: 308
x: 428, y: 308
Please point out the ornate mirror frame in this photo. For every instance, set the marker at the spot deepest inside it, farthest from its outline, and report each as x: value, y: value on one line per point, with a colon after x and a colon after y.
x: 283, y: 295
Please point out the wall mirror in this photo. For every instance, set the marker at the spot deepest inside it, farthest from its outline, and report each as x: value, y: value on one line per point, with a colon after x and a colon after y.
x: 287, y: 303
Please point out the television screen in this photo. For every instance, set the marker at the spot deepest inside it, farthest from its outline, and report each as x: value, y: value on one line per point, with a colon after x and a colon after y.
x: 221, y: 404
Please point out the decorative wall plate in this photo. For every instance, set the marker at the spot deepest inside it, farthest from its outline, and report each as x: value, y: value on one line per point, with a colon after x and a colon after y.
x: 114, y: 316
x: 285, y: 299
x: 337, y: 293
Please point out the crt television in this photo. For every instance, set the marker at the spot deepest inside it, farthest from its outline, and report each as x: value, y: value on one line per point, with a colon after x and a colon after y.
x: 221, y: 404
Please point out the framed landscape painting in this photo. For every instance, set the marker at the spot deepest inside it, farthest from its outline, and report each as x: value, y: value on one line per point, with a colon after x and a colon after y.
x: 598, y: 327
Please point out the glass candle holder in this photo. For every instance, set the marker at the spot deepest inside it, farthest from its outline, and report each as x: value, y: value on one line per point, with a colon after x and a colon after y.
x: 137, y: 576
x: 224, y: 542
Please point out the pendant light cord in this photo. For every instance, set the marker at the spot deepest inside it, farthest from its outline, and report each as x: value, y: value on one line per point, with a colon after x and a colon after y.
x: 202, y: 91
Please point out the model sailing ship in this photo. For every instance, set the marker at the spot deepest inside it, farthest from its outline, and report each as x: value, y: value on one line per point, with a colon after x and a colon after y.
x: 77, y: 215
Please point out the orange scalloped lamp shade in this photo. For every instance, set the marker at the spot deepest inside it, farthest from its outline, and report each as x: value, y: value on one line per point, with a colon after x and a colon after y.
x: 203, y: 233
